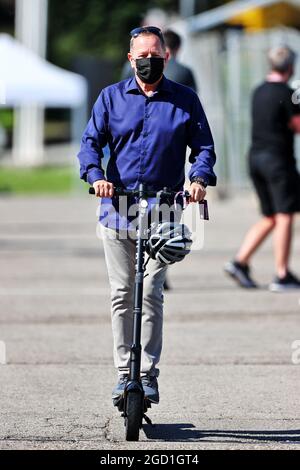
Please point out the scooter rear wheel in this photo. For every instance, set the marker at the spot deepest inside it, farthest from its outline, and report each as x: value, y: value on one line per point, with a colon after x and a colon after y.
x: 134, y: 415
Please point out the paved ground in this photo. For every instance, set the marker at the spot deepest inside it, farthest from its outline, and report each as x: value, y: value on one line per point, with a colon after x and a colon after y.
x: 227, y: 377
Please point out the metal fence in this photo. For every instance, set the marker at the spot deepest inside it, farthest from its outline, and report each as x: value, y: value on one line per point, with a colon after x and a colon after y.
x: 228, y: 66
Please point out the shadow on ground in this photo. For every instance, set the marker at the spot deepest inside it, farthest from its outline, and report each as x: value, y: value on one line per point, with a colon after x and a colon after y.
x: 188, y: 432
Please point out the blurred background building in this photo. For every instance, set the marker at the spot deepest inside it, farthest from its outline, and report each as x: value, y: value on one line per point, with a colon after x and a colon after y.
x: 57, y: 56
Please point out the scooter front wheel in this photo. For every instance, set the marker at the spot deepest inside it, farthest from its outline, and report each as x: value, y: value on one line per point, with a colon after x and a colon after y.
x: 133, y: 415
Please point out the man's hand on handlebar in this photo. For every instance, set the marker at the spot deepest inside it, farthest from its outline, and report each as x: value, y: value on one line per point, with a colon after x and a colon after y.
x: 103, y: 188
x: 197, y: 192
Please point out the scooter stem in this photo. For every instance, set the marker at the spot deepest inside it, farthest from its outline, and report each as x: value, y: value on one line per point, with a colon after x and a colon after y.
x: 135, y: 353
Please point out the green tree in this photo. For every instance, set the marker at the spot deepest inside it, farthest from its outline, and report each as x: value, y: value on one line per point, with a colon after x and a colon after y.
x: 95, y: 27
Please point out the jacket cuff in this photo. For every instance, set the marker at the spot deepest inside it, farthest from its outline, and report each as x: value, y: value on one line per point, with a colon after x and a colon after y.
x: 197, y: 175
x: 95, y: 174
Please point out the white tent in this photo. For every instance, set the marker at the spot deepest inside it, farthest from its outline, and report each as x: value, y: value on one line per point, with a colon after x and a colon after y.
x: 28, y: 80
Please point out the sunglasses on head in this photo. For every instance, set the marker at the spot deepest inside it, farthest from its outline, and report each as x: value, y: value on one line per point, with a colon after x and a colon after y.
x: 146, y: 29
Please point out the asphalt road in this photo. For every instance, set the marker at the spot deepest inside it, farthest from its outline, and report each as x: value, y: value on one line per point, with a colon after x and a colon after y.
x: 227, y: 379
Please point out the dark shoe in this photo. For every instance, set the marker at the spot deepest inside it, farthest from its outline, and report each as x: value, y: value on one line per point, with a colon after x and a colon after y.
x: 119, y: 388
x: 281, y: 284
x: 150, y: 387
x: 240, y: 273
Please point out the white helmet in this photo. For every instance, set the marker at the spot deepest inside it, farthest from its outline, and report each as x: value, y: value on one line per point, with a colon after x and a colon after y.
x: 170, y: 242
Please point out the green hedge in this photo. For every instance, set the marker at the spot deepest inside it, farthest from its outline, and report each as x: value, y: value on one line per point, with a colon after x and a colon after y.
x: 37, y: 180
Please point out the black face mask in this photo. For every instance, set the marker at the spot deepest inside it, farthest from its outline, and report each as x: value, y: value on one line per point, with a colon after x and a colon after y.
x: 150, y: 69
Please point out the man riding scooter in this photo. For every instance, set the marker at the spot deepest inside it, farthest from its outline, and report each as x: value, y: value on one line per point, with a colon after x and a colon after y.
x: 148, y: 121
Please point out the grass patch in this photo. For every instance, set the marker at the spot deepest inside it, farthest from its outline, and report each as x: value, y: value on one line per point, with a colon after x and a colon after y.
x: 37, y: 180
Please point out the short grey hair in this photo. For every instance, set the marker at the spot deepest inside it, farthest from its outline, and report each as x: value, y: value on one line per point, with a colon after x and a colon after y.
x: 149, y: 33
x: 281, y: 58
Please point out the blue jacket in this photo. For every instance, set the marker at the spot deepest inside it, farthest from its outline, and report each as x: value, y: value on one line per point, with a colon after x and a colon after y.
x: 147, y: 137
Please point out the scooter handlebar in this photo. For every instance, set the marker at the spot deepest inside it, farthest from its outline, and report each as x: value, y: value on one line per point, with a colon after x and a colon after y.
x: 119, y: 191
x: 136, y: 192
x: 165, y: 192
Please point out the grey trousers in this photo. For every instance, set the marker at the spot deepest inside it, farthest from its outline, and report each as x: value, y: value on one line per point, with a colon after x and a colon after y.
x: 120, y: 262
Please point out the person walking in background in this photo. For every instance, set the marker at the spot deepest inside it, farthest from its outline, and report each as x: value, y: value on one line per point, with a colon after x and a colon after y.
x: 174, y: 70
x: 272, y: 166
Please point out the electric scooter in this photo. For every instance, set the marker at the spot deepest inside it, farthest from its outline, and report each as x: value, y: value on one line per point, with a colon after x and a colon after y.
x: 133, y: 404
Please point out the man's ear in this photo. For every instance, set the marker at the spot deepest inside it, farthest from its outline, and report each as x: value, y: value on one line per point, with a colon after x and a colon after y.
x: 129, y: 57
x: 167, y: 56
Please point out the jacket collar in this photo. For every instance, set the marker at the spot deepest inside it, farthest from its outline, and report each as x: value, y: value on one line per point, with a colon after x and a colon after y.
x: 164, y: 85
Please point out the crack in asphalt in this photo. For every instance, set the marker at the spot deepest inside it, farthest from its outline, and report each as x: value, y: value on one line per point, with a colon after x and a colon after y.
x: 74, y: 427
x: 108, y: 432
x: 44, y: 439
